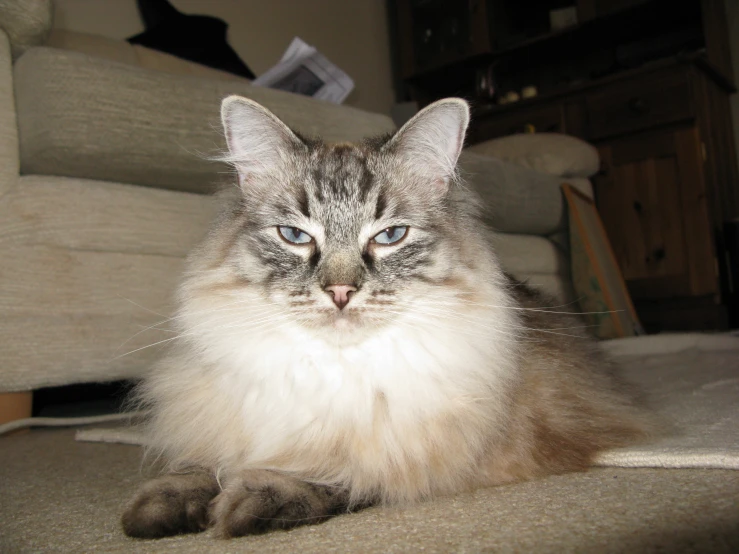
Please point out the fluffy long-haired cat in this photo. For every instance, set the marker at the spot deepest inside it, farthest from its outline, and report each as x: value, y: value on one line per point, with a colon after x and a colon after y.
x: 347, y: 337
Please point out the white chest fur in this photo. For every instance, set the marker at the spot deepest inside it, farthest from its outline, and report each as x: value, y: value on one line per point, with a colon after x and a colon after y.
x: 371, y: 414
x: 295, y: 391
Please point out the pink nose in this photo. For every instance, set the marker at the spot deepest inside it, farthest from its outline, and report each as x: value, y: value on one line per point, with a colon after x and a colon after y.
x: 340, y: 294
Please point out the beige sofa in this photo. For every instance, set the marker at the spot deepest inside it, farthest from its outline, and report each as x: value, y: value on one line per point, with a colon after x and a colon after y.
x: 104, y: 182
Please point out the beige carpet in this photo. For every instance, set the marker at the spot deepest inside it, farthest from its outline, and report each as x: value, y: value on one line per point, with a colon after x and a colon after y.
x: 59, y: 495
x: 692, y: 381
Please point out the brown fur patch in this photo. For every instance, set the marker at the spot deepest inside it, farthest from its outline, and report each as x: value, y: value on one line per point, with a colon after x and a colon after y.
x: 383, y: 292
x: 375, y: 302
x: 380, y: 412
x: 225, y: 287
x: 223, y: 247
x: 567, y: 407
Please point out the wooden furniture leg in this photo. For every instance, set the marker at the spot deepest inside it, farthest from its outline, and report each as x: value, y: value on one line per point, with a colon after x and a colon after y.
x: 15, y: 405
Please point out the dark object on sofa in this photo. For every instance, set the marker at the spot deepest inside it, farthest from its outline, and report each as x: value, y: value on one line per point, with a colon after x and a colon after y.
x: 198, y: 38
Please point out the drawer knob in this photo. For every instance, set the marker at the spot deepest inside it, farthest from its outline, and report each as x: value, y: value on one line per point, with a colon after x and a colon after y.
x: 638, y: 105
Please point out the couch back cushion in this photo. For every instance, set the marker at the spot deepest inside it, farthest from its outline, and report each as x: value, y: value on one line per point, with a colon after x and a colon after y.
x: 94, y: 118
x: 133, y: 54
x: 81, y: 116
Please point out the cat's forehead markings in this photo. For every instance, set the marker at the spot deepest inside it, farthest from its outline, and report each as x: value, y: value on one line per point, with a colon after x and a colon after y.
x: 303, y: 203
x: 381, y: 204
x: 331, y: 149
x: 342, y: 173
x: 341, y: 144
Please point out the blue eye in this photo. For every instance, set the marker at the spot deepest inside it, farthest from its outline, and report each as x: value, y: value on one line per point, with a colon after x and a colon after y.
x: 391, y: 235
x: 294, y: 235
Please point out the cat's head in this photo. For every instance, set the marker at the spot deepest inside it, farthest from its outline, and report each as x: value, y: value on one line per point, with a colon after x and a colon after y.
x: 342, y: 236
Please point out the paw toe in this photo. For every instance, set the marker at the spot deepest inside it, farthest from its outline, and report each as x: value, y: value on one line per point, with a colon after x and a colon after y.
x: 170, y: 506
x: 248, y: 514
x: 151, y: 518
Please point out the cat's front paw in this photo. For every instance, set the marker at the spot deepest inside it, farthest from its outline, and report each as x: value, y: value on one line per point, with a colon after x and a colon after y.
x: 170, y: 505
x: 259, y: 501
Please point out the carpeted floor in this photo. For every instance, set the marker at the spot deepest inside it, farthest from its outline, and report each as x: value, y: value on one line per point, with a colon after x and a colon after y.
x: 58, y: 495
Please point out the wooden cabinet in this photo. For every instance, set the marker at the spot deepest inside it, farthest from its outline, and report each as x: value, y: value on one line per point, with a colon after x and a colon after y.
x: 648, y: 83
x: 667, y: 183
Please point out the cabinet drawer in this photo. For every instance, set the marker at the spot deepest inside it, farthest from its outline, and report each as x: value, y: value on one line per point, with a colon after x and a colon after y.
x: 539, y: 119
x: 604, y: 7
x: 639, y: 104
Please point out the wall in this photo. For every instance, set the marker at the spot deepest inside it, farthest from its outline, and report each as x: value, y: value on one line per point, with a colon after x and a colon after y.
x: 352, y: 34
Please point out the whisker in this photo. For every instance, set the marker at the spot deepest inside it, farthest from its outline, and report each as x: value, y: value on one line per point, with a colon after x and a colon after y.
x: 140, y: 306
x: 179, y: 315
x: 418, y: 316
x: 481, y: 323
x: 458, y: 301
x: 514, y: 335
x: 144, y: 347
x: 240, y: 325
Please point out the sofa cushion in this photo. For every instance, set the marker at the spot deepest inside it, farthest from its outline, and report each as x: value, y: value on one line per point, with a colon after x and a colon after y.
x: 516, y: 199
x: 133, y: 54
x: 520, y: 200
x: 87, y: 267
x: 95, y: 45
x: 92, y: 118
x: 538, y: 261
x: 528, y: 254
x: 551, y: 153
x: 80, y: 116
x: 9, y: 162
x: 26, y: 22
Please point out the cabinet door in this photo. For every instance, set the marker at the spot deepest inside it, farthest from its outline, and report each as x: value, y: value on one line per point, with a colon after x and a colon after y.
x: 651, y: 196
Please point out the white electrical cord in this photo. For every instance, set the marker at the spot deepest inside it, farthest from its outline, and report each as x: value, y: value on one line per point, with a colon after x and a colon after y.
x: 64, y: 421
x: 120, y: 435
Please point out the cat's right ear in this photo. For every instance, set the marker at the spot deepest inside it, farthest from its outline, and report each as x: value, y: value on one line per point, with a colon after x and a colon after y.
x: 428, y: 146
x: 257, y: 140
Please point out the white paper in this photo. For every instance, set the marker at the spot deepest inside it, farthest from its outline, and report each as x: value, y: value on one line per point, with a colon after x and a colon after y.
x: 304, y: 70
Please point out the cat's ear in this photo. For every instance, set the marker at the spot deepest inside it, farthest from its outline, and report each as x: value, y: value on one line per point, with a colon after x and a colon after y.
x: 428, y: 146
x: 257, y: 140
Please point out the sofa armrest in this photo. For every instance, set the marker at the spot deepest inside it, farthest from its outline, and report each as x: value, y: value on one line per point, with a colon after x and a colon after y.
x: 26, y: 23
x: 517, y: 199
x: 551, y: 153
x: 9, y: 153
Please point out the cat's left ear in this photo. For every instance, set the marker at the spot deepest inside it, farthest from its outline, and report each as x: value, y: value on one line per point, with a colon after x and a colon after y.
x: 428, y: 146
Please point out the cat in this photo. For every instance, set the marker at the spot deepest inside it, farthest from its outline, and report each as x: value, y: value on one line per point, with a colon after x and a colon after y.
x: 348, y: 338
